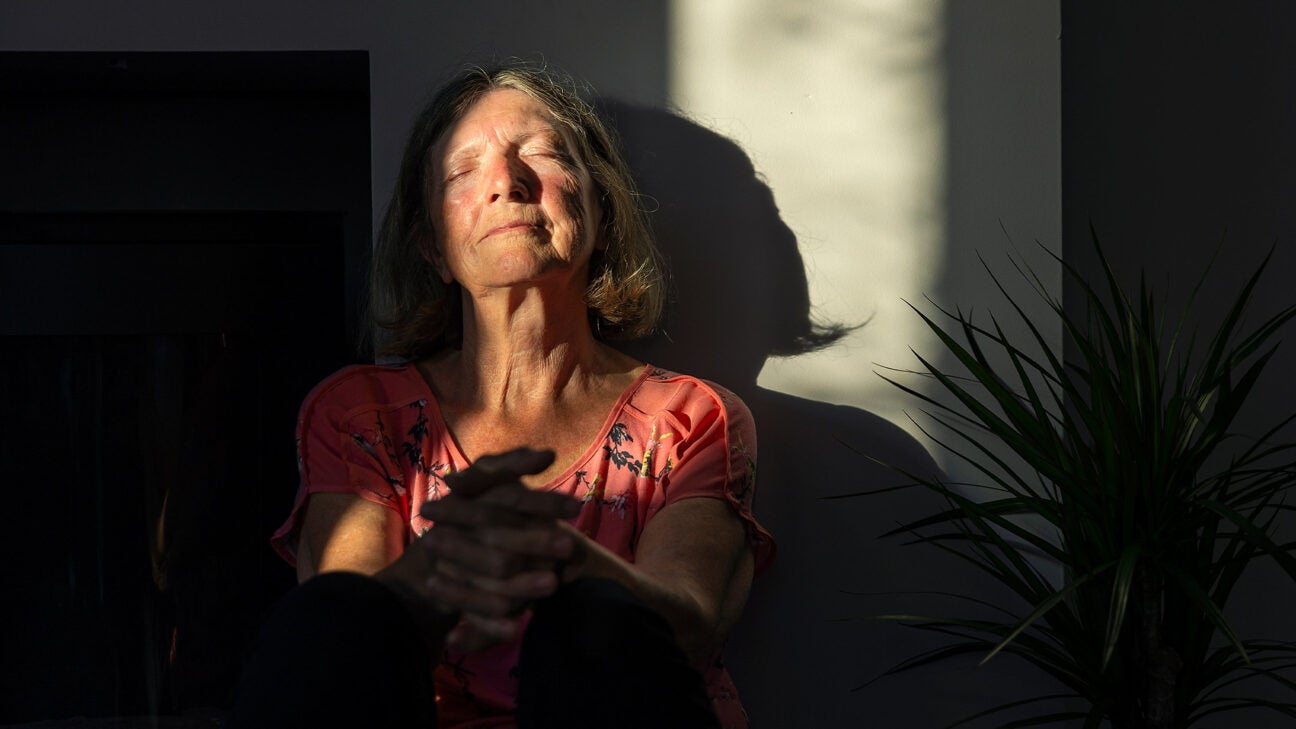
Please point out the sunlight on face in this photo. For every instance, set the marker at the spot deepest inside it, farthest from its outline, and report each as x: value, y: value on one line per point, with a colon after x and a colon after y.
x: 513, y: 204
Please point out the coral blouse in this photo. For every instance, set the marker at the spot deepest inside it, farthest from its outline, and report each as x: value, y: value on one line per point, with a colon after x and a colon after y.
x: 376, y: 431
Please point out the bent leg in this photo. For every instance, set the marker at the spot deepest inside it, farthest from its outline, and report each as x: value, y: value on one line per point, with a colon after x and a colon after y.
x: 595, y: 656
x: 339, y: 650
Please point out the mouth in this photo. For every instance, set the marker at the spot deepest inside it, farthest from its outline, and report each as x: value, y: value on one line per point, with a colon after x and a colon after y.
x: 516, y: 226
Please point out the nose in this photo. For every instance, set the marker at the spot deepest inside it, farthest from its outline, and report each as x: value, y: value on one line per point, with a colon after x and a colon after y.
x: 509, y: 180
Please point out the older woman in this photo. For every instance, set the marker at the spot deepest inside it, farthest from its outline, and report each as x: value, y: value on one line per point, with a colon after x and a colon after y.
x: 515, y: 458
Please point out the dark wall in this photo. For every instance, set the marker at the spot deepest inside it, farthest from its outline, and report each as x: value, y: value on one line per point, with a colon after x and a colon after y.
x: 411, y: 45
x: 192, y: 132
x: 1178, y: 150
x: 1177, y: 124
x: 182, y: 241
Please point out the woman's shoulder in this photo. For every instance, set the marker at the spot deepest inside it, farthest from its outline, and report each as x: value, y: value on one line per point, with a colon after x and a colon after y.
x: 367, y: 386
x: 698, y: 399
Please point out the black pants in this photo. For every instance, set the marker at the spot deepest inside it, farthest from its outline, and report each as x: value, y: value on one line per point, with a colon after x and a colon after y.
x: 341, y: 651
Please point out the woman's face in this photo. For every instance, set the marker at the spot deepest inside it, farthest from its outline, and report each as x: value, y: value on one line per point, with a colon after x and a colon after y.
x: 512, y: 202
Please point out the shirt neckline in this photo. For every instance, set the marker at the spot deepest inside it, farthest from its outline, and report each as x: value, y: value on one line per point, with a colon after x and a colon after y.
x: 452, y: 444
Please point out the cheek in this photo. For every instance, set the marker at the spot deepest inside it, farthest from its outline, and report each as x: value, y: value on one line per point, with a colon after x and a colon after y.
x: 577, y: 203
x: 451, y: 225
x: 434, y: 252
x: 453, y: 219
x: 575, y: 207
x: 441, y: 264
x: 451, y: 204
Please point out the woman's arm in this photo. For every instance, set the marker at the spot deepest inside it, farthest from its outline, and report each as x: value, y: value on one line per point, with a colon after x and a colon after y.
x: 499, y: 545
x: 692, y: 566
x: 344, y: 532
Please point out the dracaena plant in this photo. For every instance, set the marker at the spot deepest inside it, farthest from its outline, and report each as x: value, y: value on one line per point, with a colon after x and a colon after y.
x: 1153, y: 505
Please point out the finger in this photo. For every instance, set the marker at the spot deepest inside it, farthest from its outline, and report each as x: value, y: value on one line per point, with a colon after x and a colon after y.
x: 497, y: 549
x: 500, y: 629
x: 545, y: 542
x: 498, y: 553
x: 462, y: 596
x: 469, y: 637
x: 471, y: 514
x: 550, y: 504
x: 468, y: 596
x: 501, y: 504
x: 519, y: 589
x: 498, y: 468
x: 465, y: 638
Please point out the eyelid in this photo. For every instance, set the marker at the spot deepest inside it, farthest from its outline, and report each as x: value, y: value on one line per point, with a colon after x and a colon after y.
x: 544, y: 147
x: 550, y: 140
x: 558, y: 155
x: 456, y: 172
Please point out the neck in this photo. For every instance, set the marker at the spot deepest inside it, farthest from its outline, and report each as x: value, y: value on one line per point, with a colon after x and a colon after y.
x: 525, y: 347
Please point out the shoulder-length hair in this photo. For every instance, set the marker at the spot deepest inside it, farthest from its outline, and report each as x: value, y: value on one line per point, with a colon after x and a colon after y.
x: 414, y: 313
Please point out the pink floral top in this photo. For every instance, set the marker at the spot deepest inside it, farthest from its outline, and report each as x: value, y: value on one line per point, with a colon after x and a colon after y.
x: 376, y: 431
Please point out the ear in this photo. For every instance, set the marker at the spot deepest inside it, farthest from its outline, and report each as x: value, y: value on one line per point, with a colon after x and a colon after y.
x: 434, y: 258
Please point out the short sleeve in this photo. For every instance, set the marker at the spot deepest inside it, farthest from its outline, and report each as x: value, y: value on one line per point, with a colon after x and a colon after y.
x: 717, y: 459
x: 343, y: 447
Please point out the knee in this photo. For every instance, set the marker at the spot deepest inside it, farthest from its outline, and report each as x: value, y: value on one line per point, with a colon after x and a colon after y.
x: 599, y: 622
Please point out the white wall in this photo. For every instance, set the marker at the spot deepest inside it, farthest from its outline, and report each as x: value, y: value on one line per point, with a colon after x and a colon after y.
x: 900, y: 139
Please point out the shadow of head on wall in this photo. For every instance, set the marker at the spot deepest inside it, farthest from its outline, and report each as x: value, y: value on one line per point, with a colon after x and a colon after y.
x: 739, y: 292
x: 740, y: 296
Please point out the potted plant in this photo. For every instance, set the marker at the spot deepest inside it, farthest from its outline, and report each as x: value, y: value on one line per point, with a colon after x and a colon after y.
x: 1153, y: 505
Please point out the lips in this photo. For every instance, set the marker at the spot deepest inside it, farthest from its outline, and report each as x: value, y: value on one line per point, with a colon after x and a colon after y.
x: 512, y: 226
x: 509, y: 227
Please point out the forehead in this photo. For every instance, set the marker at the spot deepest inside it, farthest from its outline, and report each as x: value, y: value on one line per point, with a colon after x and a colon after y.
x: 500, y: 116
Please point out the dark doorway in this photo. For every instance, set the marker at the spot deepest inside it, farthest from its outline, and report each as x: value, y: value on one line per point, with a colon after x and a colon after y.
x: 164, y: 306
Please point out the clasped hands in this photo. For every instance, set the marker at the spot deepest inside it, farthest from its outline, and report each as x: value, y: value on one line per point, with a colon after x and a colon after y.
x: 496, y: 546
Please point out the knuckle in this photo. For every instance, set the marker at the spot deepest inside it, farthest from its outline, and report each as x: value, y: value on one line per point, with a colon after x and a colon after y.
x: 494, y: 605
x: 486, y: 464
x: 507, y: 495
x: 500, y: 564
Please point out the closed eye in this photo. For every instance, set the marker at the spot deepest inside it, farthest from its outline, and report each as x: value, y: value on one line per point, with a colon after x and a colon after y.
x: 458, y: 173
x: 546, y: 152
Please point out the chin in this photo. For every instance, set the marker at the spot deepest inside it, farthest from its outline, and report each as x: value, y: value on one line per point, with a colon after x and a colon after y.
x: 520, y: 267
